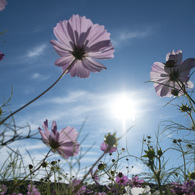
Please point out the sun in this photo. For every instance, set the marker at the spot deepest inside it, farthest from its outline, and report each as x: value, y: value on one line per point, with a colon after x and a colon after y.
x: 123, y: 107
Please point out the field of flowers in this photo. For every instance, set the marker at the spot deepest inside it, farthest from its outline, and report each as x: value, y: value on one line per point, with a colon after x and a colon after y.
x: 79, y: 43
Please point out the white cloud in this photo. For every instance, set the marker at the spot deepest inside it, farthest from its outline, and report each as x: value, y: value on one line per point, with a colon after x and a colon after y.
x: 38, y: 76
x: 74, y: 107
x: 37, y: 50
x: 132, y: 35
x: 72, y: 96
x: 126, y: 36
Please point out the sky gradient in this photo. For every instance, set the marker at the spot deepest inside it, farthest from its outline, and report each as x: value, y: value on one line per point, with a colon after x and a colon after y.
x: 142, y: 32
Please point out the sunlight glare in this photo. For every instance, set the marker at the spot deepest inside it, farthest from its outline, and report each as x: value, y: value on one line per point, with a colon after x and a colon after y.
x: 124, y: 107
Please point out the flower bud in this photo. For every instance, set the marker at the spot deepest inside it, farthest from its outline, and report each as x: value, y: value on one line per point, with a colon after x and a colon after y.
x: 185, y: 108
x: 101, y: 166
x: 120, y: 174
x: 44, y: 164
x: 159, y: 152
x: 192, y: 175
x: 175, y: 92
x: 111, y: 140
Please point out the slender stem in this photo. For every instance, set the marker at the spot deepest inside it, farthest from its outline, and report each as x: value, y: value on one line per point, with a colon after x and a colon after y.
x: 1, y: 122
x: 18, y: 183
x: 159, y: 175
x: 189, y: 98
x: 184, y: 161
x: 157, y: 178
x: 85, y: 176
x: 183, y: 88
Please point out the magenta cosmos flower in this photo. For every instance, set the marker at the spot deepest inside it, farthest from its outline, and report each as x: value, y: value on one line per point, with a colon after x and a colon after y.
x: 136, y: 182
x: 64, y: 142
x: 122, y: 179
x: 187, y: 187
x: 1, y: 56
x: 104, y: 147
x: 170, y: 78
x: 78, y: 42
x: 3, y: 3
x: 32, y: 190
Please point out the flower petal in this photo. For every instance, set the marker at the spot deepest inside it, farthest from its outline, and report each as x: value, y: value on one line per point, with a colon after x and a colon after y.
x: 78, y: 70
x: 68, y: 134
x: 62, y: 34
x: 61, y: 49
x: 92, y: 65
x: 175, y: 56
x: 45, y: 128
x: 97, y: 33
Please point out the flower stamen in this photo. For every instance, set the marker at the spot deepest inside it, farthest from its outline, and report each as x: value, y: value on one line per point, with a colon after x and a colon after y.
x: 78, y: 53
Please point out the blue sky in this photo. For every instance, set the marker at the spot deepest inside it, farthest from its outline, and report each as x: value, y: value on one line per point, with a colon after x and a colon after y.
x: 142, y: 32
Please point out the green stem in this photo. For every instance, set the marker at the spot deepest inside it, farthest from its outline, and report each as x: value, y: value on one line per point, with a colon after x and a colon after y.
x: 1, y: 122
x: 184, y: 160
x: 85, y: 176
x: 183, y: 88
x: 157, y: 176
x: 18, y: 183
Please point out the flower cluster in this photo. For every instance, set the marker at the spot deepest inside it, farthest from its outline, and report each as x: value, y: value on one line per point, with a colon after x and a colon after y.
x: 172, y: 77
x: 32, y: 190
x: 134, y: 182
x: 187, y: 187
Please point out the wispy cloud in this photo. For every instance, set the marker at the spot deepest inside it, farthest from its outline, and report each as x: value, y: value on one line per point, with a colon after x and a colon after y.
x: 76, y: 106
x: 72, y: 96
x: 38, y: 76
x: 132, y: 35
x: 37, y: 50
x: 128, y: 35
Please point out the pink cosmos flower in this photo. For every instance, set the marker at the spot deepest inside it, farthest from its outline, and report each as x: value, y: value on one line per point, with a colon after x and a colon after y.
x: 170, y: 78
x: 122, y: 179
x: 78, y: 42
x: 187, y: 187
x: 3, y: 3
x: 32, y: 190
x: 104, y: 147
x: 64, y: 142
x: 136, y: 182
x: 1, y: 56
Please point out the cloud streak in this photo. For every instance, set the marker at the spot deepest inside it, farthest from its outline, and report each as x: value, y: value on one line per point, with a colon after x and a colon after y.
x: 37, y: 50
x: 131, y: 35
x: 76, y: 106
x: 40, y: 77
x: 127, y: 36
